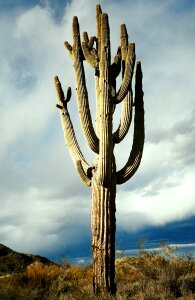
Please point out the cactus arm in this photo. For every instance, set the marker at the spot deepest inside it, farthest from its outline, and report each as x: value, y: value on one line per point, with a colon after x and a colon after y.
x: 114, y: 72
x: 69, y: 48
x: 128, y: 74
x: 91, y: 42
x: 97, y: 92
x: 138, y: 139
x: 89, y: 52
x: 81, y: 89
x: 68, y: 129
x: 126, y: 114
x: 83, y: 175
x: 116, y: 65
x: 123, y: 42
x: 126, y: 117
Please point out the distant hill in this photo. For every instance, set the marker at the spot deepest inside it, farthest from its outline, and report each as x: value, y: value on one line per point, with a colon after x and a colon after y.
x: 12, y: 261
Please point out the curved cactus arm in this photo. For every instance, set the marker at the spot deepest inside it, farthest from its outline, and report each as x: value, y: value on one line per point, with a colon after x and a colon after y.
x: 126, y: 113
x: 128, y: 74
x: 116, y: 65
x: 89, y: 52
x: 124, y: 175
x: 138, y: 139
x: 69, y: 48
x: 83, y: 175
x: 97, y: 92
x: 81, y: 89
x: 68, y: 129
x: 91, y: 42
x: 115, y: 71
x: 123, y: 42
x: 126, y: 117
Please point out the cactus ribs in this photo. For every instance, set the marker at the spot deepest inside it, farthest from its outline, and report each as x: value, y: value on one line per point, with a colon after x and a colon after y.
x: 103, y: 176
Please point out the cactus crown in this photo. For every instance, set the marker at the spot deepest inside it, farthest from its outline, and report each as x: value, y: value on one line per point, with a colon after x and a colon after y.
x: 96, y: 51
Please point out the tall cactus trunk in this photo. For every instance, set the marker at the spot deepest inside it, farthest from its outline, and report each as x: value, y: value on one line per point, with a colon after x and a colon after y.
x: 103, y: 237
x: 102, y: 175
x: 104, y: 179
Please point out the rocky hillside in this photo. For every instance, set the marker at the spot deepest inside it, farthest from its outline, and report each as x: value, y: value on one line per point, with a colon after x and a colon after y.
x: 12, y: 261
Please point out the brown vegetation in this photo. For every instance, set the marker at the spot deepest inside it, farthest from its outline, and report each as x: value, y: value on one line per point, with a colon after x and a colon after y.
x: 147, y: 277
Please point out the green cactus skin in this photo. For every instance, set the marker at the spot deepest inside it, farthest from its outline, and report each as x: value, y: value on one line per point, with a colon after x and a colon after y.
x: 103, y: 176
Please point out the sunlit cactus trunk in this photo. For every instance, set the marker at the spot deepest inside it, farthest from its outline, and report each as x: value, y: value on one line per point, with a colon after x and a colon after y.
x: 102, y: 176
x: 103, y: 236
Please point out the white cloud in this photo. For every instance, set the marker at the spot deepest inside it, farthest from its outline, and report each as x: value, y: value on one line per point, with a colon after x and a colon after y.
x: 173, y: 202
x: 41, y: 218
x: 41, y: 194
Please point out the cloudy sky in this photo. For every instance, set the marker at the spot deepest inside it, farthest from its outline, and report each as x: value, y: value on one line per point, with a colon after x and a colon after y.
x: 44, y: 206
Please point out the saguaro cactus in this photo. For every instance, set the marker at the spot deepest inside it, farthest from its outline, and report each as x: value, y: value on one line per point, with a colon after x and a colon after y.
x: 103, y: 176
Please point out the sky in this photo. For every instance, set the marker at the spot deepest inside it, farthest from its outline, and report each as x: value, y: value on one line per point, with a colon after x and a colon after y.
x: 45, y: 208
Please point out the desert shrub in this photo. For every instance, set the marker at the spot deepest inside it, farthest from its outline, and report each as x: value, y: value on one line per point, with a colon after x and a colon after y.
x: 73, y: 281
x: 33, y: 284
x: 154, y: 276
x: 15, y: 289
x: 151, y: 276
x: 39, y: 274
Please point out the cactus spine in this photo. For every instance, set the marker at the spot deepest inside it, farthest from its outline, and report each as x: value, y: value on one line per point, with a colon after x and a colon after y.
x: 102, y: 176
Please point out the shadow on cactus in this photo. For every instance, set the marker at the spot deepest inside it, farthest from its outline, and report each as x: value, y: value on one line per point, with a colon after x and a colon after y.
x: 103, y: 175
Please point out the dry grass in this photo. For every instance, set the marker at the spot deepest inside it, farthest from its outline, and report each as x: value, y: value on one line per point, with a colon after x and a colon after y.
x: 147, y: 277
x: 154, y: 277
